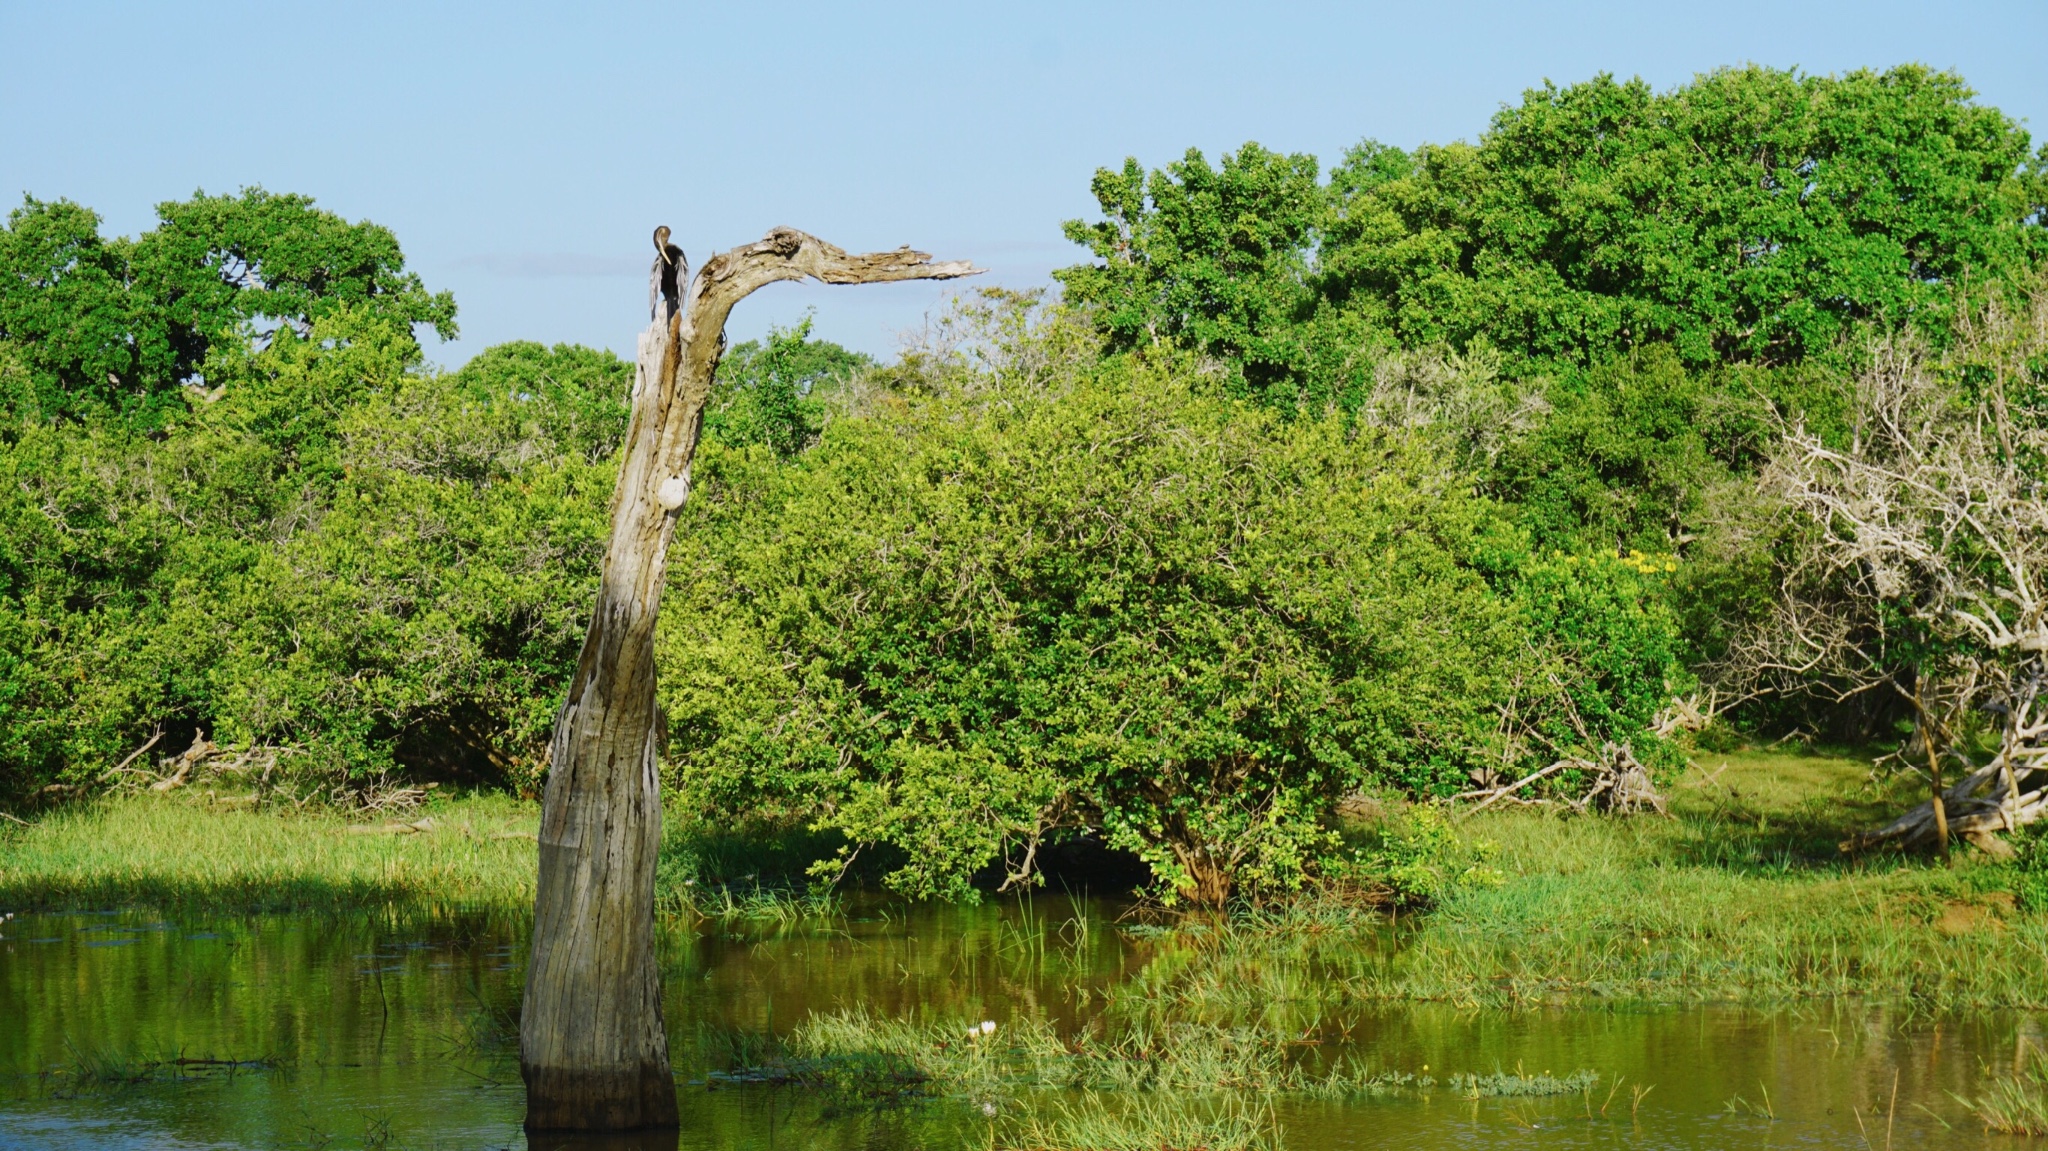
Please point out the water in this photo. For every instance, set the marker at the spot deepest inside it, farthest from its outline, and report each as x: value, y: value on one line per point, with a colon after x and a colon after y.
x: 390, y: 1030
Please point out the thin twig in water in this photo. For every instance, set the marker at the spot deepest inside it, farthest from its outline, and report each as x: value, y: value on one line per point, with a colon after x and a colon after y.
x: 1891, y: 1111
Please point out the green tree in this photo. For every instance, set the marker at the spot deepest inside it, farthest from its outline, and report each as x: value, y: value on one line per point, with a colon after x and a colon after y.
x: 1753, y: 215
x: 1213, y: 259
x: 777, y: 391
x: 118, y: 325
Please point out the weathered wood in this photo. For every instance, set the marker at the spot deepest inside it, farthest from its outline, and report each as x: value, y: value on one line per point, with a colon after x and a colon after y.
x: 592, y: 1047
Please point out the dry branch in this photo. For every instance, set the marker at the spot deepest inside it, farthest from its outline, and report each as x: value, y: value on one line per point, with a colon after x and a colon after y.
x: 1920, y: 569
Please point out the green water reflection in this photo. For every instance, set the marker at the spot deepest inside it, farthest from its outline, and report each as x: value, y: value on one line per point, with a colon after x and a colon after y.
x: 393, y: 1030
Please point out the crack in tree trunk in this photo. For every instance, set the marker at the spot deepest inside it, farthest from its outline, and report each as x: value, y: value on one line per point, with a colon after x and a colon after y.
x: 592, y: 1046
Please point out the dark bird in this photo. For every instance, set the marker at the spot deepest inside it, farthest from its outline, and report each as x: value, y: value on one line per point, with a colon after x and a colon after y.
x: 665, y: 278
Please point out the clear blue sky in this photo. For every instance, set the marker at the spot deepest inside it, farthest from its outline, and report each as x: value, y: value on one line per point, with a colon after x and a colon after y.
x: 522, y: 153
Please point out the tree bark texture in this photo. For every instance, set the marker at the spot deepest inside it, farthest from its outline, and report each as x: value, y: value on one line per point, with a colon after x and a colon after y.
x: 592, y: 1047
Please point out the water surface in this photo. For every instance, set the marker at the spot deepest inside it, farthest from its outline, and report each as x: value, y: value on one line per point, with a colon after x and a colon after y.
x: 131, y: 1030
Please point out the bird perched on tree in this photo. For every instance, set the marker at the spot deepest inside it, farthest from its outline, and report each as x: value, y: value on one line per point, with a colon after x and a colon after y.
x: 665, y: 278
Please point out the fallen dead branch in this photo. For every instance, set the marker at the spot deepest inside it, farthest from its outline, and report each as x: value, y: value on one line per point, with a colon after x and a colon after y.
x: 1618, y: 782
x: 132, y: 757
x: 181, y: 767
x: 1499, y: 793
x: 414, y: 828
x: 1918, y: 569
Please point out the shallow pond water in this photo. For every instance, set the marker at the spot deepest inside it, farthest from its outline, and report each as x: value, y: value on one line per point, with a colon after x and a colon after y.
x: 129, y: 1030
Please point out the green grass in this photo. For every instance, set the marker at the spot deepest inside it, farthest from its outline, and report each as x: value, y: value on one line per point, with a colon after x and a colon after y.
x: 1094, y: 1122
x: 863, y: 1056
x: 1740, y: 896
x: 98, y: 1070
x: 178, y: 853
x: 2017, y: 1104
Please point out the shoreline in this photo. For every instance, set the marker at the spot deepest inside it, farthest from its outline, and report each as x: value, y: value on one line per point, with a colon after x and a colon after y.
x: 1729, y: 901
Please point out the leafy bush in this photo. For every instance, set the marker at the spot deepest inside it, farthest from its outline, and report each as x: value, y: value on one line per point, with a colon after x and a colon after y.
x: 1613, y: 650
x: 777, y: 391
x: 967, y: 622
x: 1416, y: 858
x: 340, y: 552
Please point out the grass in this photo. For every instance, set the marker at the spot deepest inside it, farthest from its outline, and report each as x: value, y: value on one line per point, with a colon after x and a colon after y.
x: 2017, y: 1104
x: 1741, y: 896
x: 1121, y: 1084
x: 1094, y: 1122
x: 98, y: 1070
x: 477, y: 851
x: 863, y: 1056
x: 175, y: 853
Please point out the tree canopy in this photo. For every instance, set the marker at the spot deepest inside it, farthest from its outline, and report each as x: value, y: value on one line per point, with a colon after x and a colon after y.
x: 1751, y: 216
x: 119, y: 324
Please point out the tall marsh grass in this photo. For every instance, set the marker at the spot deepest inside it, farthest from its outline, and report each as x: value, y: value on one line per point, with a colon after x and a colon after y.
x: 2017, y: 1104
x: 1094, y: 1122
x: 985, y: 1061
x: 1741, y: 896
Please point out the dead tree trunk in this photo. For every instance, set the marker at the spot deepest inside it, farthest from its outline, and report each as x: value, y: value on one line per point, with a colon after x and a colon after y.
x: 592, y: 1048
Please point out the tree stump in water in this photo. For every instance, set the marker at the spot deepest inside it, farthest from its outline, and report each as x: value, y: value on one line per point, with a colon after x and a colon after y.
x: 592, y: 1047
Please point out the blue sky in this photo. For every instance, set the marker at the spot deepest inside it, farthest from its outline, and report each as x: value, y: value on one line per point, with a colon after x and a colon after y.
x: 523, y: 153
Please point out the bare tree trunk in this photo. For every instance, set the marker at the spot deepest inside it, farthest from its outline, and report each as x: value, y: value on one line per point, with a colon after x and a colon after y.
x: 1934, y: 799
x: 592, y: 1047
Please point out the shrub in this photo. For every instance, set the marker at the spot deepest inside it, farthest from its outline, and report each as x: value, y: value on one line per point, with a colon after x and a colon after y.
x: 966, y: 622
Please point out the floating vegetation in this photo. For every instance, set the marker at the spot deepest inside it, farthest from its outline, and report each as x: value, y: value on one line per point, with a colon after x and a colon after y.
x: 93, y: 1069
x: 1501, y: 1084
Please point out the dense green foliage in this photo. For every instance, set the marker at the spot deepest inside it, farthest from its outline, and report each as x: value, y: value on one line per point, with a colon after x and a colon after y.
x: 1437, y: 466
x: 114, y: 327
x: 1017, y: 603
x: 1752, y: 216
x: 1658, y: 269
x: 778, y: 391
x: 1129, y: 607
x: 343, y: 553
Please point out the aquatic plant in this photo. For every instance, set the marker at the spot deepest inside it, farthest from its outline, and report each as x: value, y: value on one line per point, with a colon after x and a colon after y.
x: 1095, y: 1122
x: 2016, y: 1104
x: 1501, y: 1084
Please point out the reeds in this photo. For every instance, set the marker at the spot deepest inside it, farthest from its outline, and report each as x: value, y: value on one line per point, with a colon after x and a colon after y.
x: 1095, y: 1122
x: 987, y: 1062
x: 98, y: 1069
x: 2017, y: 1104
